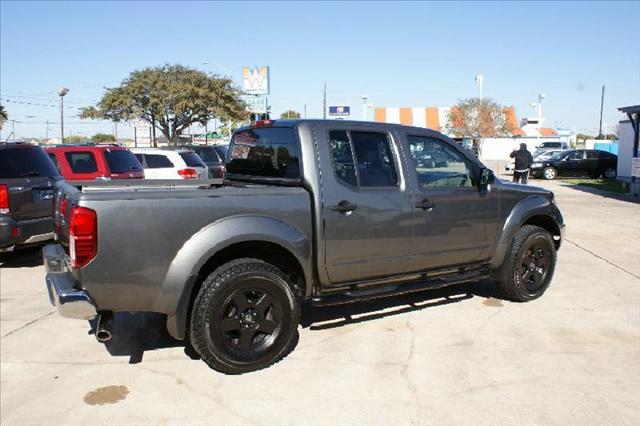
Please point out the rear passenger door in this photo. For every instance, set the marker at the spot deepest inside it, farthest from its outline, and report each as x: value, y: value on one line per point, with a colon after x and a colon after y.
x: 366, y: 207
x: 453, y: 222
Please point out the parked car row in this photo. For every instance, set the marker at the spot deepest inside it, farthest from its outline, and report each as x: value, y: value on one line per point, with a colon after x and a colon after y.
x: 28, y: 173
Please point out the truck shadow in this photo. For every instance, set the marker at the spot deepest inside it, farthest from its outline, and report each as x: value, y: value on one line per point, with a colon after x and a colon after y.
x: 27, y: 257
x: 322, y: 318
x: 136, y: 333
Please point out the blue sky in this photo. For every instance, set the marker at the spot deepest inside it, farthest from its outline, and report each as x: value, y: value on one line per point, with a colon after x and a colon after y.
x: 399, y: 53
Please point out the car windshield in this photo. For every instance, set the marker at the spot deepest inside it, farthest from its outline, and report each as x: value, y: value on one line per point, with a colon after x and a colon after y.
x: 26, y: 162
x: 121, y: 161
x: 208, y: 154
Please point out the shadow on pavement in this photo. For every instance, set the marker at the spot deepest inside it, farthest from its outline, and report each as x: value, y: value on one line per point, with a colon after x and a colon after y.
x: 630, y: 198
x: 322, y: 318
x: 135, y: 333
x: 22, y: 258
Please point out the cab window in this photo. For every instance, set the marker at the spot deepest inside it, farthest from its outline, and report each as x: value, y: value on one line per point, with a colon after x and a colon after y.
x: 438, y: 165
x: 363, y: 159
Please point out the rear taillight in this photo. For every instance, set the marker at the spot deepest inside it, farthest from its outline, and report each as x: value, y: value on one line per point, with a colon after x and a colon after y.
x: 188, y: 173
x: 4, y: 198
x: 83, y: 236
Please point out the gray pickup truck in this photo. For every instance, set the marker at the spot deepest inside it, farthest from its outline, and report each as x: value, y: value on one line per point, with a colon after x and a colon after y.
x: 328, y: 212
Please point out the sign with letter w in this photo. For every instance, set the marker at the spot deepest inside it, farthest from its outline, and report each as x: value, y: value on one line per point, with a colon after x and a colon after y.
x: 255, y: 80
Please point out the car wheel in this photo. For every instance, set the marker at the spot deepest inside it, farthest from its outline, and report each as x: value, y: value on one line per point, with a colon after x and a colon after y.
x: 610, y: 173
x: 549, y: 173
x: 528, y: 266
x: 245, y: 317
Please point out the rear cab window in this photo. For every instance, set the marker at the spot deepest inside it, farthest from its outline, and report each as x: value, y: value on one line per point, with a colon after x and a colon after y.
x: 121, y: 161
x: 264, y: 153
x: 22, y: 162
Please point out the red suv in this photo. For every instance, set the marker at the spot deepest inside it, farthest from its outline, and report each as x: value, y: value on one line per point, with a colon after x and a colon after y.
x: 89, y: 162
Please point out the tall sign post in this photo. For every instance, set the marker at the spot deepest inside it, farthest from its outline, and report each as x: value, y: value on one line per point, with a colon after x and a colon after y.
x: 255, y: 85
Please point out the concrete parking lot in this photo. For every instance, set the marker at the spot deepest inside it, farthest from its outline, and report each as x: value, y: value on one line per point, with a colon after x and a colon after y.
x: 459, y: 356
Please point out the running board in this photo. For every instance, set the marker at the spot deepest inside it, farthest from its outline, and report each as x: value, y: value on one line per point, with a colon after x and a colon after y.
x: 358, y: 295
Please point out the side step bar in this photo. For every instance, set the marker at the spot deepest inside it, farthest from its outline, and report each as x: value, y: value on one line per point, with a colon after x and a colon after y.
x: 359, y: 295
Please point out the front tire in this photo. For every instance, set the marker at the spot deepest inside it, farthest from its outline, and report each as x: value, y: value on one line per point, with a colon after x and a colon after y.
x: 529, y: 265
x: 550, y: 173
x: 245, y: 317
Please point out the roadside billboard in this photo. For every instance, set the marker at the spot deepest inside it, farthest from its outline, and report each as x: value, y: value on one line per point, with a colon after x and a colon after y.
x: 256, y: 104
x: 255, y: 80
x: 339, y: 111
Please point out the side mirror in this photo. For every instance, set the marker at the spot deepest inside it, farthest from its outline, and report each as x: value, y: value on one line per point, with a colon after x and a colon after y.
x: 486, y: 178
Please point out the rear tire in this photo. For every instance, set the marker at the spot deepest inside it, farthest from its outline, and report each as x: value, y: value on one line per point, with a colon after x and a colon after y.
x: 549, y: 173
x: 528, y: 266
x: 610, y: 173
x: 245, y: 317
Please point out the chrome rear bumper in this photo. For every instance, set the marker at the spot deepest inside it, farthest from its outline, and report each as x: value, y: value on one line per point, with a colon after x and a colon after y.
x: 63, y: 294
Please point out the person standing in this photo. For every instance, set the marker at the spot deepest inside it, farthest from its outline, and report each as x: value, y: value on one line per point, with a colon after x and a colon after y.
x: 524, y: 159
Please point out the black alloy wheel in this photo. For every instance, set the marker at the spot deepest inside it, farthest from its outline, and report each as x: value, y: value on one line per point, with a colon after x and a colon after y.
x: 250, y: 319
x: 534, y: 265
x: 245, y: 316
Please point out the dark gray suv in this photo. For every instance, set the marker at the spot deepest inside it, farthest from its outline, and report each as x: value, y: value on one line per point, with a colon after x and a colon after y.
x: 27, y: 176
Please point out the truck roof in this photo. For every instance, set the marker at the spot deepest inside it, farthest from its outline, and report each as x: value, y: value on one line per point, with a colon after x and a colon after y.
x: 299, y: 122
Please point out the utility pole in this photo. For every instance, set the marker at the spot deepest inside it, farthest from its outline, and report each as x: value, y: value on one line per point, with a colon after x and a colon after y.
x: 61, y: 92
x: 324, y: 102
x: 601, y: 108
x: 46, y: 131
x: 305, y: 110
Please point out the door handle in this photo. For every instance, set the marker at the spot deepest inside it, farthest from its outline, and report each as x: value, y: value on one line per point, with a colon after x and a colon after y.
x: 344, y: 206
x: 425, y: 204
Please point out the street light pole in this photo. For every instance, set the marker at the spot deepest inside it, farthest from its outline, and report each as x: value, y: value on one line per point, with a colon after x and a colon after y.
x: 364, y: 107
x: 541, y: 96
x: 480, y: 81
x: 61, y: 92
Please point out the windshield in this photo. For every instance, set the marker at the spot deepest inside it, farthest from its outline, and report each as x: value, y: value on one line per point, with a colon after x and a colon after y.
x: 26, y: 162
x: 208, y: 154
x: 121, y: 161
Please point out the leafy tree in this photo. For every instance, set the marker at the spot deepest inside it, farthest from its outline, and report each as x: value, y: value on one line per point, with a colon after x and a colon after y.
x: 290, y: 114
x: 74, y: 139
x: 103, y: 137
x: 3, y: 116
x: 170, y: 97
x: 477, y: 118
x: 583, y: 137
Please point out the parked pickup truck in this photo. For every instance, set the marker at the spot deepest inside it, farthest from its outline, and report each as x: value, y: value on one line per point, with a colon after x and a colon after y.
x: 311, y: 210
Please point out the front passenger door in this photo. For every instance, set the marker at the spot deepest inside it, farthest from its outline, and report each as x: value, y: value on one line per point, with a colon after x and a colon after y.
x: 453, y: 222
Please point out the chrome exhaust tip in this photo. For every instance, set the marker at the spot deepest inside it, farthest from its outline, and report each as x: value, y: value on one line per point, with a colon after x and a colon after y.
x: 103, y: 329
